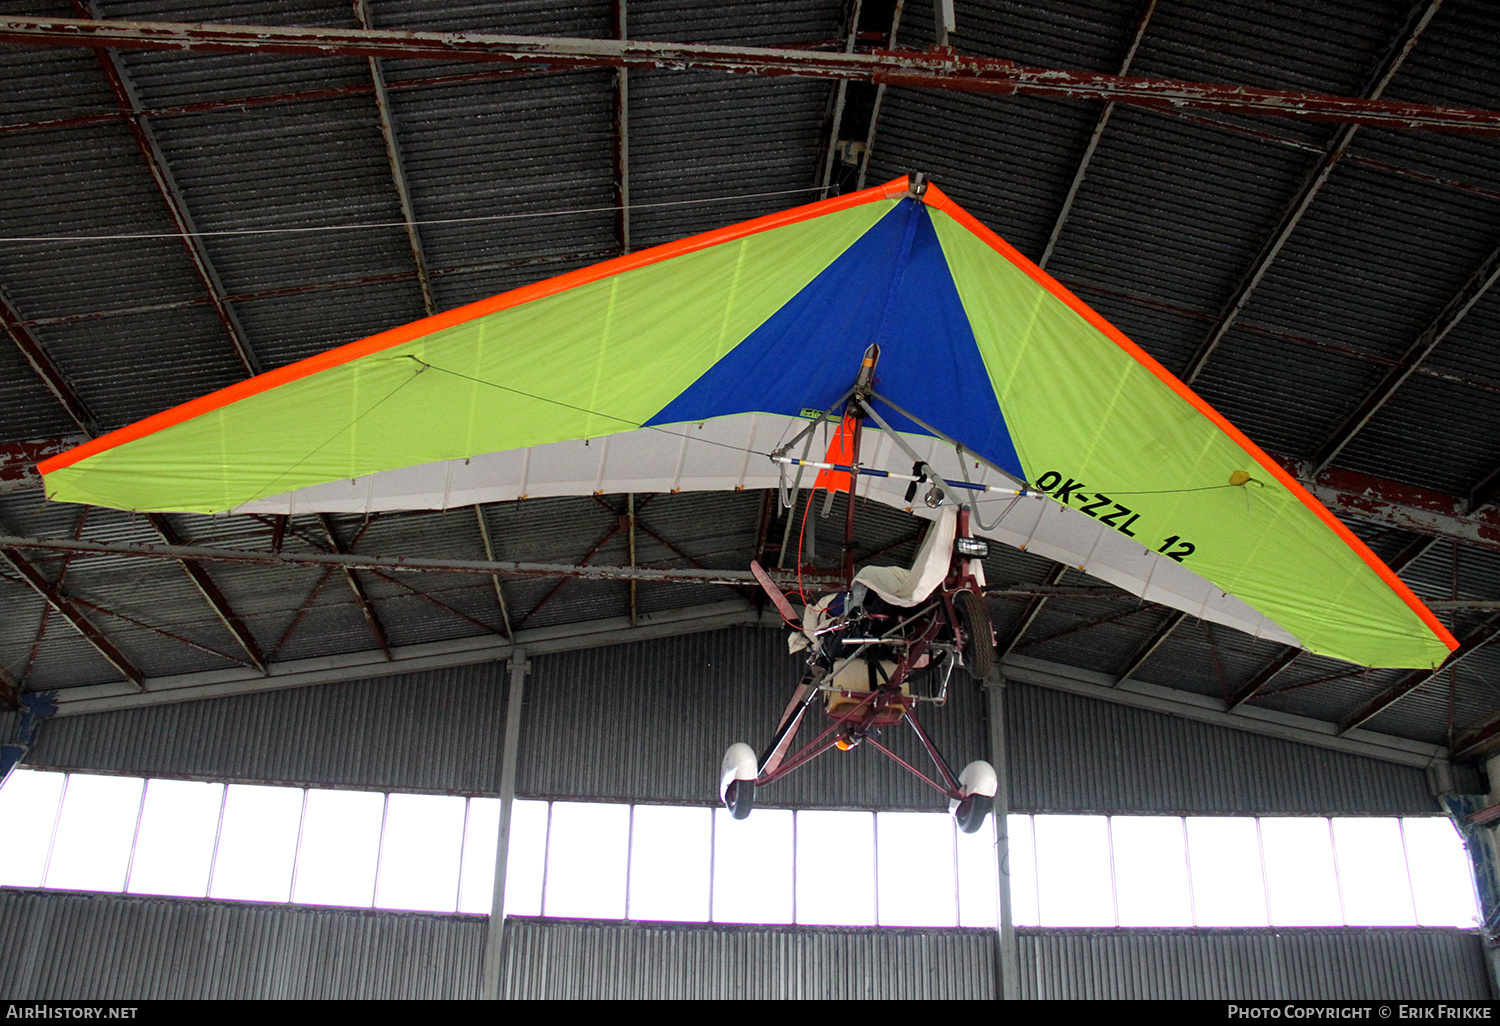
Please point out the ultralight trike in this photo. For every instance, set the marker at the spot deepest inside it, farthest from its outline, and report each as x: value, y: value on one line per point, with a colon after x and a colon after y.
x: 864, y: 645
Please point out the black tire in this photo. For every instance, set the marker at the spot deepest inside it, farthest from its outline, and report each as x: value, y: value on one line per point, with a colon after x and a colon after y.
x: 979, y: 634
x: 971, y: 812
x: 739, y: 796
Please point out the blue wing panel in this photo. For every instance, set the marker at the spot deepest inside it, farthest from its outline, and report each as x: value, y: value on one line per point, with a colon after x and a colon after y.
x: 892, y: 287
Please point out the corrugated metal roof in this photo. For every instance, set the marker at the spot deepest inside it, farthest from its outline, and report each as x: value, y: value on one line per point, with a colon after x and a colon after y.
x: 702, y: 137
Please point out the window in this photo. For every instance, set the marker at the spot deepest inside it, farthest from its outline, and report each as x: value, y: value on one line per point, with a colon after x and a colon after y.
x: 650, y: 862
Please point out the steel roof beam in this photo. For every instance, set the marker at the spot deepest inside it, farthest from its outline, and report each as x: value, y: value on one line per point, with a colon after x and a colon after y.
x: 1333, y: 152
x: 910, y: 69
x: 1484, y: 492
x: 64, y: 606
x: 10, y: 690
x: 1472, y: 641
x: 349, y: 561
x: 43, y: 366
x: 211, y: 594
x: 585, y: 256
x: 1478, y: 740
x: 622, y: 133
x: 1028, y: 617
x: 354, y: 666
x: 1259, y: 329
x: 1098, y: 133
x: 879, y: 98
x: 351, y: 666
x: 304, y: 96
x: 1411, y: 552
x: 398, y: 171
x: 1256, y: 684
x: 489, y: 554
x: 1476, y: 286
x: 1150, y: 645
x: 840, y: 92
x: 156, y: 162
x: 360, y: 598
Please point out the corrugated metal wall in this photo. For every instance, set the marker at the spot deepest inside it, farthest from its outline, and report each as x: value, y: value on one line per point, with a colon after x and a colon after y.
x: 434, y: 731
x: 58, y: 945
x: 550, y: 959
x: 1074, y: 754
x: 1343, y: 964
x: 650, y: 721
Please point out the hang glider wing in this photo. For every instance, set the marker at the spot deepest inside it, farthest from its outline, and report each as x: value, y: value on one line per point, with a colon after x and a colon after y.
x: 681, y: 367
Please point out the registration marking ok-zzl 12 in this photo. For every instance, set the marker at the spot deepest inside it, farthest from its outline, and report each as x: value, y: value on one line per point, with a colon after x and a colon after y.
x: 1106, y: 510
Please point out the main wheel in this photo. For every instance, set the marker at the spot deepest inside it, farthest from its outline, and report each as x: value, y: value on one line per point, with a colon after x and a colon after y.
x: 978, y: 632
x: 971, y: 812
x: 739, y: 796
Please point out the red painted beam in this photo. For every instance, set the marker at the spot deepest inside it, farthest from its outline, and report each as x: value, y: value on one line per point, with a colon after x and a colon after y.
x: 1409, y: 507
x: 911, y: 69
x: 18, y: 460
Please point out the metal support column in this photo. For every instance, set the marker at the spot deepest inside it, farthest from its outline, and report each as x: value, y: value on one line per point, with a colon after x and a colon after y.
x: 494, y: 940
x: 1469, y: 814
x: 1008, y: 952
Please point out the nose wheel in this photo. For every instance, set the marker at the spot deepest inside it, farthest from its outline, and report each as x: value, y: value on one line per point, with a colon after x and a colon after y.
x: 970, y: 813
x: 979, y: 782
x: 739, y: 796
x: 737, y: 780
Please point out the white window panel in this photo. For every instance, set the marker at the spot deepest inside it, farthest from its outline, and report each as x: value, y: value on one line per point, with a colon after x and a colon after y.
x: 476, y: 884
x: 174, y: 847
x: 257, y: 843
x: 1372, y: 872
x: 1300, y: 874
x: 28, y: 808
x: 526, y: 865
x: 836, y: 868
x: 1441, y: 879
x: 1073, y: 873
x: 1151, y: 871
x: 752, y: 876
x: 421, y: 849
x: 918, y: 872
x: 339, y: 849
x: 95, y: 833
x: 1021, y: 864
x: 1228, y: 886
x: 670, y: 861
x: 587, y: 855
